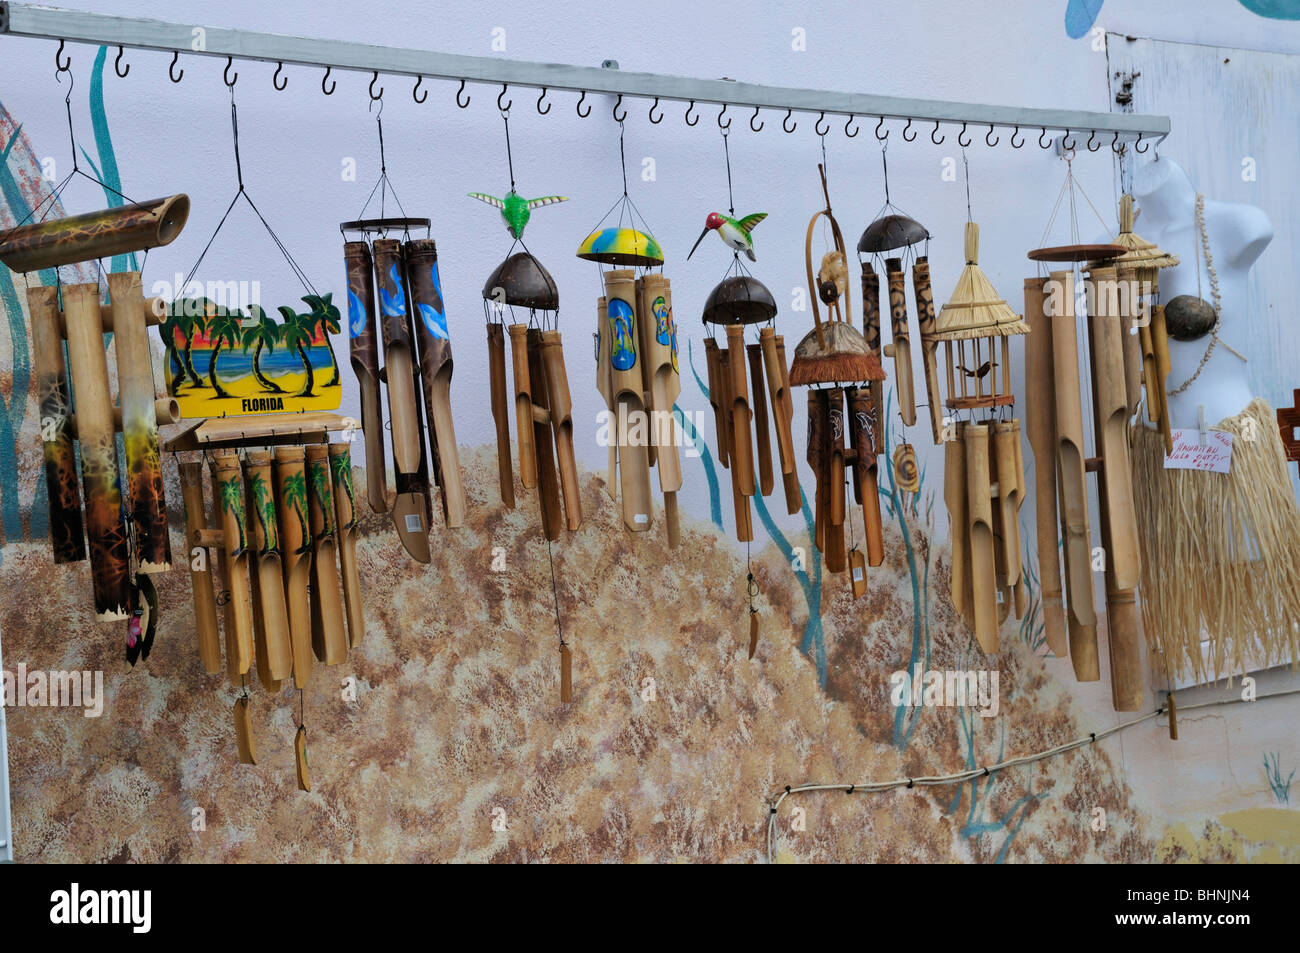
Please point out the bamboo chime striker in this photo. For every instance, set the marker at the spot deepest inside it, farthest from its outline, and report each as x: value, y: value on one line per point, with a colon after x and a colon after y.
x: 834, y: 361
x: 1061, y: 460
x: 983, y: 467
x: 636, y: 364
x: 128, y: 536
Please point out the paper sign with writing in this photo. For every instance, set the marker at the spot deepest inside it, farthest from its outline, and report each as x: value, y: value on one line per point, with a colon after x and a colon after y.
x: 1214, y: 457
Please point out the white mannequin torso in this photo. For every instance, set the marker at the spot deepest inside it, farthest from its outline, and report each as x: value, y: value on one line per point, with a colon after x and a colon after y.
x: 1238, y: 236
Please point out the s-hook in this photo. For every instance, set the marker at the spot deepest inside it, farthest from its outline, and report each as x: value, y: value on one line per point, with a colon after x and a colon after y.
x: 465, y: 104
x: 653, y: 120
x: 790, y: 128
x: 880, y: 125
x: 689, y: 110
x: 961, y: 134
x: 60, y: 64
x: 275, y: 80
x: 940, y: 140
x: 540, y: 110
x: 171, y: 74
x: 1072, y: 143
x: 1091, y: 137
x: 1115, y: 147
x: 500, y: 96
x: 1137, y: 146
x: 759, y: 127
x: 906, y: 137
x: 817, y: 126
x: 614, y: 112
x: 578, y: 107
x: 988, y: 137
x: 117, y: 65
x: 332, y: 86
x: 854, y: 133
x: 1013, y: 139
x: 1042, y: 136
x: 726, y: 127
x: 225, y: 74
x: 415, y: 91
x: 374, y: 78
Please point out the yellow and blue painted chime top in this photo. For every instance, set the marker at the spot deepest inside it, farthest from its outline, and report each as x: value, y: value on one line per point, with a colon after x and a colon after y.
x: 621, y: 246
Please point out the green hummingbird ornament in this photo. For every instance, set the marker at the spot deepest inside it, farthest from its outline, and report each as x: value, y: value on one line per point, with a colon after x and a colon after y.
x: 735, y: 233
x: 515, y: 211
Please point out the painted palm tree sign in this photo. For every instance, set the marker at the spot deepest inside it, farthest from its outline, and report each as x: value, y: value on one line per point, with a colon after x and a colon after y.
x: 227, y: 361
x: 623, y: 328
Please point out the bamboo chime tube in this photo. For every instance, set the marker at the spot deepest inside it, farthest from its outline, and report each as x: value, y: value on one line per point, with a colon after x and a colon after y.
x: 432, y: 336
x: 205, y: 603
x: 862, y: 430
x: 411, y: 506
x: 818, y: 420
x: 136, y: 393
x: 664, y: 385
x: 740, y: 445
x: 496, y: 338
x: 228, y: 495
x: 790, y: 478
x: 1040, y: 409
x: 766, y: 481
x: 345, y: 511
x: 560, y: 405
x: 329, y: 639
x: 900, y: 347
x: 628, y: 396
x: 1005, y: 439
x: 1021, y: 592
x: 833, y: 473
x: 712, y: 359
x: 548, y: 485
x: 363, y: 345
x: 1160, y: 342
x: 523, y: 405
x: 67, y: 536
x: 99, y: 472
x: 102, y: 234
x: 1132, y: 308
x: 778, y: 386
x: 645, y: 360
x: 871, y: 331
x: 925, y: 318
x: 295, y: 552
x: 979, y: 520
x: 604, y: 374
x: 269, y: 607
x: 1070, y: 475
x: 954, y: 495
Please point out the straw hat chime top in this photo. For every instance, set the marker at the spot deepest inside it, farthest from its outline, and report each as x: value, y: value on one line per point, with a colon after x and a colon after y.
x: 1139, y: 253
x: 974, y: 309
x: 841, y: 355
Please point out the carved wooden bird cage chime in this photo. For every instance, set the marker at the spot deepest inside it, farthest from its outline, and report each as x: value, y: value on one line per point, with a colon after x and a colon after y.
x: 636, y: 364
x: 983, y: 466
x: 836, y: 363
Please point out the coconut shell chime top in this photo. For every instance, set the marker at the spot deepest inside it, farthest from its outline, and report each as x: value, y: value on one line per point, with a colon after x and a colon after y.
x: 983, y: 465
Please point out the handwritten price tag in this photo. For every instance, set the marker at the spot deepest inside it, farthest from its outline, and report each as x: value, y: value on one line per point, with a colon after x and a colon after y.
x: 1214, y: 457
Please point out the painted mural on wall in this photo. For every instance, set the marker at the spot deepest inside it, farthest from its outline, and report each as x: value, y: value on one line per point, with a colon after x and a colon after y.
x: 441, y: 738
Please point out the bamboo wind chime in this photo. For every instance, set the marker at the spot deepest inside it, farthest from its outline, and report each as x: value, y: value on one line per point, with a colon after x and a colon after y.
x: 834, y: 353
x: 984, y: 479
x: 128, y: 538
x: 542, y: 401
x: 742, y: 424
x: 1112, y: 305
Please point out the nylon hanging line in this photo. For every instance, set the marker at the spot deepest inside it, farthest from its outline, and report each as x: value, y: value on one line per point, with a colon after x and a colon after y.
x: 622, y: 157
x: 970, y: 217
x: 884, y: 163
x: 555, y: 594
x: 731, y: 198
x: 510, y: 161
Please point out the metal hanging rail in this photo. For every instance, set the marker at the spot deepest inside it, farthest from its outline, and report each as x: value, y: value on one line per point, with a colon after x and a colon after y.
x: 23, y: 19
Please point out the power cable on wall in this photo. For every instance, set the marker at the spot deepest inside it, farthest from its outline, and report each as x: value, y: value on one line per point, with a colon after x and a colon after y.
x: 775, y: 801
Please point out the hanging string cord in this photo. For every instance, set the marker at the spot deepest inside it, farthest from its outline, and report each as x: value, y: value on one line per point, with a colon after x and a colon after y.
x: 751, y: 587
x: 385, y: 185
x: 884, y: 165
x: 1204, y: 245
x: 731, y: 198
x: 555, y: 594
x: 622, y: 157
x: 510, y: 159
x: 875, y: 787
x: 970, y: 216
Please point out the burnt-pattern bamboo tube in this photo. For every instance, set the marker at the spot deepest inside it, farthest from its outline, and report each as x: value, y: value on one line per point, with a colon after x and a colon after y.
x: 295, y: 550
x: 67, y: 536
x: 401, y: 369
x: 548, y: 484
x: 925, y: 319
x: 328, y: 635
x: 954, y: 495
x: 862, y: 431
x: 270, y: 605
x: 832, y: 471
x: 626, y: 386
x: 228, y: 494
x: 205, y: 603
x: 871, y: 330
x: 1040, y: 409
x: 137, y: 395
x: 431, y: 333
x: 363, y: 345
x: 523, y: 405
x: 496, y: 338
x: 900, y: 346
x: 1070, y: 463
x: 560, y: 405
x: 105, y: 527
x: 979, y: 520
x: 102, y: 234
x: 345, y: 511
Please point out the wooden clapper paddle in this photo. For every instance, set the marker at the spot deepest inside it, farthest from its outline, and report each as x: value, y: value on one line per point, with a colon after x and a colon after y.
x: 834, y: 353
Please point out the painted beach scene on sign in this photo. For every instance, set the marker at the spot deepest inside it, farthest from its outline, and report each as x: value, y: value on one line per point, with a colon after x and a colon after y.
x: 237, y: 361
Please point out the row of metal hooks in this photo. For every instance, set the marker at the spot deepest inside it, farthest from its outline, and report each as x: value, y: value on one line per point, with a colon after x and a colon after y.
x: 821, y: 126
